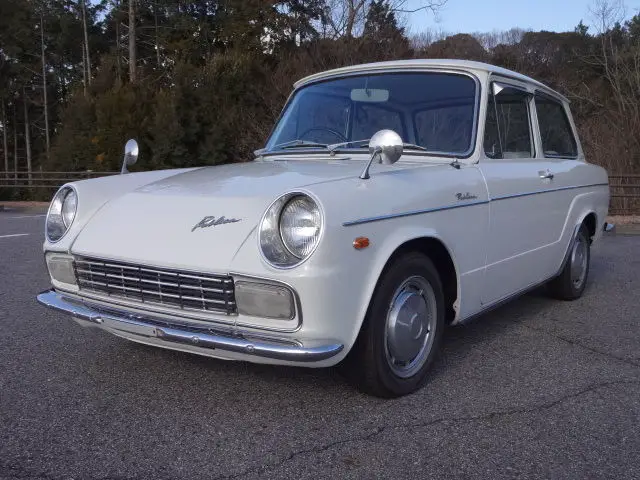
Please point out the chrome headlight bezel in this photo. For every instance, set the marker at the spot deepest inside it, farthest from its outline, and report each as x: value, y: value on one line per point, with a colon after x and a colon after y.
x: 270, y: 242
x: 66, y: 198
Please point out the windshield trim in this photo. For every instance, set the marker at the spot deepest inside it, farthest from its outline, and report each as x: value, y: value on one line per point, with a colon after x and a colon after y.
x: 458, y: 155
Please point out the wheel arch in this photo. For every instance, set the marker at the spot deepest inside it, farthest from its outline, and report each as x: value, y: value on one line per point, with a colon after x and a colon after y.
x: 590, y: 220
x: 436, y: 249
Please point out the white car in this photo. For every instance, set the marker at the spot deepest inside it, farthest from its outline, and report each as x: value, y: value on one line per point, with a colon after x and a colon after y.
x: 391, y: 200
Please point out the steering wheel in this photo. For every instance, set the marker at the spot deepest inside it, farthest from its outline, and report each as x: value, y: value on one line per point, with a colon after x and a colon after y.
x: 325, y: 129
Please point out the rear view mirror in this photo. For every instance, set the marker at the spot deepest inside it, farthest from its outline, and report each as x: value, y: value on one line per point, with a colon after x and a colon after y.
x: 369, y: 95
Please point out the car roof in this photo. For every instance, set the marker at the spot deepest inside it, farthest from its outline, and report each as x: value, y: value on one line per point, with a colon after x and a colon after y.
x: 462, y: 65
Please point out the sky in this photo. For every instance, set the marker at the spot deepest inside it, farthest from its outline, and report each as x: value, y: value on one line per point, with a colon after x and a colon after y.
x: 468, y: 16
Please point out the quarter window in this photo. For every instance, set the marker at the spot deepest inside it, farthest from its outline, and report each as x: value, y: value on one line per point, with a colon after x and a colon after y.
x: 508, y: 129
x: 555, y: 130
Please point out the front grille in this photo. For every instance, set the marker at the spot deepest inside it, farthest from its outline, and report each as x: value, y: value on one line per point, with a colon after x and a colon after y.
x: 169, y: 288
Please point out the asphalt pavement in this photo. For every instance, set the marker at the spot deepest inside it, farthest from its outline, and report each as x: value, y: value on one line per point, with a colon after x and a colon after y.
x: 535, y: 389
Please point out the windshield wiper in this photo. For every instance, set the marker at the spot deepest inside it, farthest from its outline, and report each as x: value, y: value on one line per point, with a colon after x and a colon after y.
x: 408, y: 146
x: 333, y: 147
x: 298, y: 144
x: 413, y: 146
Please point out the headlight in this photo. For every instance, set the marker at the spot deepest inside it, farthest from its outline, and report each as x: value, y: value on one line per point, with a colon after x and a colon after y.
x: 290, y: 230
x: 62, y: 212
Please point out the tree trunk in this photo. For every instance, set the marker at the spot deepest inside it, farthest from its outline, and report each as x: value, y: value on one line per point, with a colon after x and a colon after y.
x: 84, y: 72
x: 86, y: 39
x: 116, y: 16
x: 155, y: 15
x: 132, y: 42
x: 44, y: 90
x: 5, y: 144
x: 27, y: 136
x: 15, y: 146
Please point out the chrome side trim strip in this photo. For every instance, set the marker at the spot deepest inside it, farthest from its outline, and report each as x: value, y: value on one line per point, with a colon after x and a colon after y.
x: 146, y: 328
x: 360, y: 221
x: 550, y: 190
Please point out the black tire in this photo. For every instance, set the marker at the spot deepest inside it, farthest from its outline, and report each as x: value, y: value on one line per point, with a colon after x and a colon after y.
x: 367, y: 364
x: 565, y: 286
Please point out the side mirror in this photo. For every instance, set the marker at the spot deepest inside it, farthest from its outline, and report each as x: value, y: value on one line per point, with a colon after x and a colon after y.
x: 130, y: 155
x: 387, y: 145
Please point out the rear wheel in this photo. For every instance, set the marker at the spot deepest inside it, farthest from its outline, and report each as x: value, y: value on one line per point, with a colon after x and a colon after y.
x: 571, y: 282
x: 402, y: 331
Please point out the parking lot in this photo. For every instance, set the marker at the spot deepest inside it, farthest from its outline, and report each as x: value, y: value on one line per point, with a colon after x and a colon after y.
x: 535, y: 389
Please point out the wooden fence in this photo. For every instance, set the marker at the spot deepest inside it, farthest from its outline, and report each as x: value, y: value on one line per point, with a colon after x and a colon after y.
x: 625, y: 189
x: 46, y: 180
x: 625, y: 194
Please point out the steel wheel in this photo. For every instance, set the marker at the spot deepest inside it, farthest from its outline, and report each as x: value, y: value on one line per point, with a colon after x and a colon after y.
x: 410, y: 326
x: 579, y: 260
x: 572, y: 280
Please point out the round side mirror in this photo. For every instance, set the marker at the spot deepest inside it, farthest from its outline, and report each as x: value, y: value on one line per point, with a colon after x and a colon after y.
x: 388, y: 144
x: 130, y: 154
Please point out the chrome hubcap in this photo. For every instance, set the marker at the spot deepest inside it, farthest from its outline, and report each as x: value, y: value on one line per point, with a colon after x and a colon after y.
x: 410, y: 326
x: 579, y: 261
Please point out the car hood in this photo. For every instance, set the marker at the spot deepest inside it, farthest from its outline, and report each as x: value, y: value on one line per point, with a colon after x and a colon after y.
x: 156, y: 224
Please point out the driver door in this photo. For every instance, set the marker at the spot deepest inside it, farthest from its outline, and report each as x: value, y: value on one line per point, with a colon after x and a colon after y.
x: 521, y: 224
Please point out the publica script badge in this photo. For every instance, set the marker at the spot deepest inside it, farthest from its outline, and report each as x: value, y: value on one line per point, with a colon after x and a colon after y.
x: 214, y: 222
x: 465, y: 196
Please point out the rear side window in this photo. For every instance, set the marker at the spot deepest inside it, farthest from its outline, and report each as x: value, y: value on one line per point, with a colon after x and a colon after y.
x: 555, y: 130
x: 508, y: 129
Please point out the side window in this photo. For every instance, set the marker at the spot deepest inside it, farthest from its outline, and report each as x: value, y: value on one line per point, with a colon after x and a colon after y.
x: 508, y: 129
x: 555, y: 130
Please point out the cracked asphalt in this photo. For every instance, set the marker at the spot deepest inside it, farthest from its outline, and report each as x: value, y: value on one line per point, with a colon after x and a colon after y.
x: 535, y: 389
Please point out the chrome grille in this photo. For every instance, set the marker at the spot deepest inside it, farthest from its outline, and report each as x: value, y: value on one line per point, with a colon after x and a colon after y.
x: 170, y: 288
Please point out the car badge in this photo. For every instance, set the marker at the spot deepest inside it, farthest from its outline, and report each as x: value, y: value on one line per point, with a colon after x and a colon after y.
x: 466, y: 196
x: 214, y: 222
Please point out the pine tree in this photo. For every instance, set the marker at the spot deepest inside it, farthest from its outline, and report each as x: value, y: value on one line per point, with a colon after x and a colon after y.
x: 381, y: 23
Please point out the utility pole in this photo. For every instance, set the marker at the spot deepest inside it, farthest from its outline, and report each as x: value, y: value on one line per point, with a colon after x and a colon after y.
x: 44, y: 88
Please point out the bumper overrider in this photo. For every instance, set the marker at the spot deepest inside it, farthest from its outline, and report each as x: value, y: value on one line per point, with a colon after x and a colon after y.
x: 210, y: 341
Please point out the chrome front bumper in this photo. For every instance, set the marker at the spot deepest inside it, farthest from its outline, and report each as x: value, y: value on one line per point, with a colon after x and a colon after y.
x: 139, y: 328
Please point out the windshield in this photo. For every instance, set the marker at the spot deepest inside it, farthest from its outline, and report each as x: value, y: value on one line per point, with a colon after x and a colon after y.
x: 433, y: 110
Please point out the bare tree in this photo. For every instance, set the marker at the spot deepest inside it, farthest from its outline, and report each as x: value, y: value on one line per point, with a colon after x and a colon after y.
x: 620, y: 64
x: 132, y: 42
x: 346, y: 17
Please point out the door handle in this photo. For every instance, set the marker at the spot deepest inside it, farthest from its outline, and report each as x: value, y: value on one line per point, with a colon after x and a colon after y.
x: 545, y: 174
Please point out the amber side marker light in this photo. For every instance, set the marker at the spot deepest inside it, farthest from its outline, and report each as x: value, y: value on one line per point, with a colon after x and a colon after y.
x: 360, y: 243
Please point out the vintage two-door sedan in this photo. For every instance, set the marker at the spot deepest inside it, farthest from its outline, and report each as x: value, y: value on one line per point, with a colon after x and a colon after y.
x: 391, y: 200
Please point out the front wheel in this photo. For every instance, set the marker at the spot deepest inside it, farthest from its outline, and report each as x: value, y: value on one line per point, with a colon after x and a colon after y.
x: 571, y: 282
x: 402, y: 331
